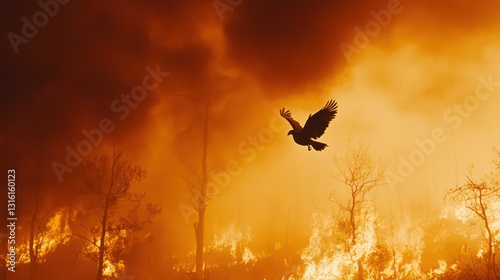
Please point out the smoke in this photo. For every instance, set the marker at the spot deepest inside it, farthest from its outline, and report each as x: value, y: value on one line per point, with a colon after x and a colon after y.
x: 260, y: 57
x: 65, y: 79
x: 294, y: 47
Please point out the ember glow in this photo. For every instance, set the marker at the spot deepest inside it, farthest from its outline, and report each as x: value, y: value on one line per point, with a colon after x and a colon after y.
x: 112, y: 266
x: 146, y: 140
x: 56, y: 232
x: 235, y: 241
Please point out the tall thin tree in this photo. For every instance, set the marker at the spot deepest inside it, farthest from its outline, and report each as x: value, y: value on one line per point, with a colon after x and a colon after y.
x: 202, y: 200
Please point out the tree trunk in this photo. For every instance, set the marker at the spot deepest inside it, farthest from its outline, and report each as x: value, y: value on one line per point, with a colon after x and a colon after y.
x: 490, y: 258
x: 104, y: 222
x: 102, y: 247
x: 354, y: 235
x: 199, y: 244
x: 354, y: 241
x: 200, y: 228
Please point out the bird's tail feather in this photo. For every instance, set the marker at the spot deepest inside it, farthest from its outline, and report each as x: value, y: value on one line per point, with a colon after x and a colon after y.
x: 318, y: 146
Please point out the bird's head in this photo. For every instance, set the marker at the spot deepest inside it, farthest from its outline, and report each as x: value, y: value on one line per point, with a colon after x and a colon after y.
x: 291, y: 132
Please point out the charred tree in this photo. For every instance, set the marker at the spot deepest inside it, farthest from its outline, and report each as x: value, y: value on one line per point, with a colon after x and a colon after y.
x: 196, y: 181
x: 357, y: 170
x: 478, y: 196
x: 107, y: 183
x: 202, y: 201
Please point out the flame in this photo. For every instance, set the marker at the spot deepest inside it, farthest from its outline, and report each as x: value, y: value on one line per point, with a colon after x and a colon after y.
x: 56, y: 232
x: 441, y: 269
x: 111, y: 268
x: 459, y: 212
x: 468, y: 217
x: 186, y: 264
x: 406, y: 242
x: 248, y: 256
x: 327, y: 258
x: 236, y: 240
x: 227, y: 248
x: 384, y: 251
x: 393, y: 253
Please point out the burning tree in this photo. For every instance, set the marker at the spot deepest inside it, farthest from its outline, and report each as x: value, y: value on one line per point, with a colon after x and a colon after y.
x: 200, y: 194
x: 199, y: 227
x: 107, y: 183
x: 44, y: 238
x: 480, y: 198
x: 360, y: 173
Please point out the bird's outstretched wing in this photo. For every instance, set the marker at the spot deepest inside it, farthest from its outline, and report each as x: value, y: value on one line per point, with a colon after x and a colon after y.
x: 288, y: 116
x: 316, y: 124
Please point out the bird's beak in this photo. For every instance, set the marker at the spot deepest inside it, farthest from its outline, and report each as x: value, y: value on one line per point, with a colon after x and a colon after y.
x: 288, y: 133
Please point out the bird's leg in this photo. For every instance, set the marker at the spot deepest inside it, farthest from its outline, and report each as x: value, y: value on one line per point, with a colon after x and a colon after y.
x: 308, y: 147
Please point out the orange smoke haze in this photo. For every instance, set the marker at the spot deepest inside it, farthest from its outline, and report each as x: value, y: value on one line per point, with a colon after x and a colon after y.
x: 417, y: 81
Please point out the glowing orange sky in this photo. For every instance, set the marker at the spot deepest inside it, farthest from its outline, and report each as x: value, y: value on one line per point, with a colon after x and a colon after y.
x: 396, y: 90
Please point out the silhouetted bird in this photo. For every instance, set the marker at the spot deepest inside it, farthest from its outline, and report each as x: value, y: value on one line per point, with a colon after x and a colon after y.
x: 313, y: 129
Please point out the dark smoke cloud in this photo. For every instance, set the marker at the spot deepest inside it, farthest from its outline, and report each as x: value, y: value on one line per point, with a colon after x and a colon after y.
x: 294, y: 46
x: 65, y: 78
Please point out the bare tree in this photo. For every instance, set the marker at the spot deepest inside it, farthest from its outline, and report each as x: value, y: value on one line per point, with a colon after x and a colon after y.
x: 107, y: 183
x: 197, y: 185
x: 360, y: 173
x: 199, y: 197
x: 478, y: 196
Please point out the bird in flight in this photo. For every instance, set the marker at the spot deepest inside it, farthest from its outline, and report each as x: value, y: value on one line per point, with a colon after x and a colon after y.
x: 315, y: 126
